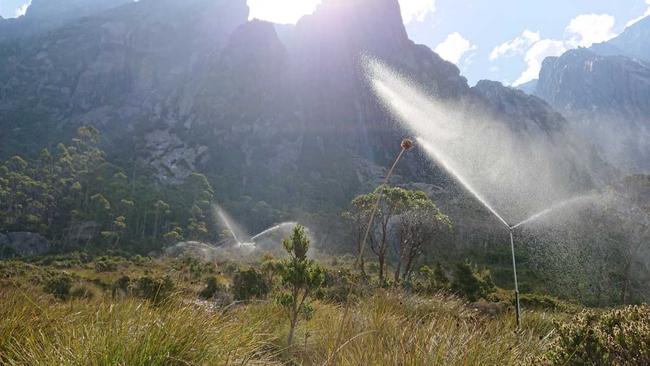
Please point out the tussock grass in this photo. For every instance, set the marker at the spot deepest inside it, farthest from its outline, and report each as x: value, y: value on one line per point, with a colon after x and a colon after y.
x: 386, y: 327
x: 128, y: 332
x: 392, y: 328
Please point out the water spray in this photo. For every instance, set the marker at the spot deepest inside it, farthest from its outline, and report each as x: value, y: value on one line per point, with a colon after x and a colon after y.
x: 406, y: 145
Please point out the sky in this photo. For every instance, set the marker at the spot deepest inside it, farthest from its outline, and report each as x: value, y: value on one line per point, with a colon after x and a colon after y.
x: 503, y: 40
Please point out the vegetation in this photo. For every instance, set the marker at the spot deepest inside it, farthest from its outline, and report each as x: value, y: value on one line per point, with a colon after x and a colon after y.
x: 616, y: 337
x: 411, y: 215
x: 77, y: 199
x: 127, y: 321
x: 301, y: 277
x: 96, y: 300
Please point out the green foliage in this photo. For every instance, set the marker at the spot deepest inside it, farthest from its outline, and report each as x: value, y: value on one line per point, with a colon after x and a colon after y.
x: 411, y: 214
x: 300, y: 277
x: 59, y: 286
x: 212, y: 287
x: 336, y: 286
x: 470, y: 283
x: 105, y: 264
x: 431, y: 280
x: 58, y: 194
x: 616, y: 337
x: 156, y: 290
x: 250, y: 284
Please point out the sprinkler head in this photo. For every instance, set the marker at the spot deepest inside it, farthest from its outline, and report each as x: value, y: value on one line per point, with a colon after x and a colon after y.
x: 407, y: 144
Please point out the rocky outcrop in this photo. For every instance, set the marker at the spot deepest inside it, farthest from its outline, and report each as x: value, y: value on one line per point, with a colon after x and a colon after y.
x: 287, y: 121
x: 23, y: 244
x: 46, y: 15
x: 632, y: 43
x: 606, y: 100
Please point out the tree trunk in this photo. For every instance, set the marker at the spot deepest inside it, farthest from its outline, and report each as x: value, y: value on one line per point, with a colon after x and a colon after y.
x: 292, y: 330
x: 398, y: 269
x: 381, y: 268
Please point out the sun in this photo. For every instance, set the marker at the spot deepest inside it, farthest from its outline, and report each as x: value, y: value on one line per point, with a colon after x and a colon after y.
x: 281, y: 11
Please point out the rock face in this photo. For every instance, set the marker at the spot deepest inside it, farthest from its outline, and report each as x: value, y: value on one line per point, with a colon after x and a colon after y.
x: 632, y: 43
x: 287, y: 121
x: 24, y: 244
x: 606, y: 99
x: 44, y: 15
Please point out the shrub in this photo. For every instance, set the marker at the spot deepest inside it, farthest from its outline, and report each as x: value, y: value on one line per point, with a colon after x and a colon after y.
x: 122, y: 284
x: 250, y: 284
x: 336, y: 286
x: 431, y: 280
x: 156, y: 290
x: 470, y: 283
x: 59, y: 286
x: 212, y: 287
x: 616, y: 337
x: 105, y: 265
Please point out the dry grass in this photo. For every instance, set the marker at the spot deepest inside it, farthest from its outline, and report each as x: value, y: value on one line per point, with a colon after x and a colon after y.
x: 386, y: 328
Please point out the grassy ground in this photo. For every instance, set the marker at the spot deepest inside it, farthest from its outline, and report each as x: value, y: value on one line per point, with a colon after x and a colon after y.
x: 387, y: 327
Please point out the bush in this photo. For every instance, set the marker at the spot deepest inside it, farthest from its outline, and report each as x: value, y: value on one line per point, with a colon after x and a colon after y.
x: 250, y: 284
x: 212, y: 287
x: 337, y: 286
x: 59, y: 286
x: 122, y: 284
x: 616, y: 337
x: 156, y: 290
x: 105, y: 265
x: 470, y: 283
x: 431, y: 280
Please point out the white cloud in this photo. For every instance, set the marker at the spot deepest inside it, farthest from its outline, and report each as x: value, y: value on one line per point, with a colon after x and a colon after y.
x: 21, y: 10
x: 635, y: 20
x: 517, y: 46
x: 454, y: 47
x: 416, y: 9
x: 536, y: 55
x: 588, y: 29
x: 583, y: 31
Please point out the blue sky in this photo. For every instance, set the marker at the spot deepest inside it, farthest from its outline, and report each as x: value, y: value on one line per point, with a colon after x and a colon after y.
x: 506, y: 40
x: 12, y: 8
x: 503, y: 40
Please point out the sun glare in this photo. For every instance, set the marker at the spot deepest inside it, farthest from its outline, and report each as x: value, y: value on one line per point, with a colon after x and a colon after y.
x: 281, y: 11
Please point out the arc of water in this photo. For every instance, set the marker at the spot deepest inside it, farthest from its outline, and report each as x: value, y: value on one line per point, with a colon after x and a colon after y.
x: 553, y: 208
x: 439, y: 157
x: 226, y: 222
x: 271, y: 229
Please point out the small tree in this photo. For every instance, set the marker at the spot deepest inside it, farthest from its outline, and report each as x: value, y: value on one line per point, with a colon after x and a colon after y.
x: 250, y: 284
x: 471, y: 284
x: 416, y: 227
x: 300, y: 276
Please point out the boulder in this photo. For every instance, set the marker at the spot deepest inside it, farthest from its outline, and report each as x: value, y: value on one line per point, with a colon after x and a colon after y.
x: 83, y: 231
x: 26, y: 244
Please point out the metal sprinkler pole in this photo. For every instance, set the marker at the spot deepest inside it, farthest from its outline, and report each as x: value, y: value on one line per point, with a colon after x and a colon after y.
x: 514, y: 270
x: 406, y: 145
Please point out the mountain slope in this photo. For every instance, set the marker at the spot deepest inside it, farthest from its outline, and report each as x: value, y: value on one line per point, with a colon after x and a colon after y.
x: 289, y: 123
x: 606, y: 98
x: 633, y: 42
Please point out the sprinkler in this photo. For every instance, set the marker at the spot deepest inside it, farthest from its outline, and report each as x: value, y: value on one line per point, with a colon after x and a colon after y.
x: 514, y: 271
x: 406, y: 145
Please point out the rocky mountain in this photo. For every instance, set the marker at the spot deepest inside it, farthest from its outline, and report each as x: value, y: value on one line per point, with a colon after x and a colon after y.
x: 606, y: 98
x: 44, y: 15
x: 632, y: 43
x: 286, y: 121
